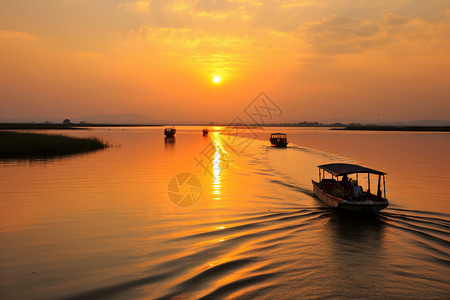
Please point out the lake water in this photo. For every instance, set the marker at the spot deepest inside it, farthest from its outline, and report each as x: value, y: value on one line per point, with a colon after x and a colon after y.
x: 221, y: 217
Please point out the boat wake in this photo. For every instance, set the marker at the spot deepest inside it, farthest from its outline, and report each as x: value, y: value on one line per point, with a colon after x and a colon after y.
x: 275, y: 239
x: 238, y: 258
x: 429, y: 231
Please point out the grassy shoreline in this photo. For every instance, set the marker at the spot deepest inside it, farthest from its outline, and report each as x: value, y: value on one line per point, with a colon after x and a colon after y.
x: 18, y: 145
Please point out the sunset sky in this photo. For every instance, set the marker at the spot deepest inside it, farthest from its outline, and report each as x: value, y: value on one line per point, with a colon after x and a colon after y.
x: 328, y: 60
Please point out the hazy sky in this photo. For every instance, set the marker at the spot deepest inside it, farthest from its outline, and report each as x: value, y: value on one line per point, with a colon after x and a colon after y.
x: 318, y: 60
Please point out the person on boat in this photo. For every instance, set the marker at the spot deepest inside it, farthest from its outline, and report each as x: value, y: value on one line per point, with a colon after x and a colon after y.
x: 357, y: 191
x: 345, y: 183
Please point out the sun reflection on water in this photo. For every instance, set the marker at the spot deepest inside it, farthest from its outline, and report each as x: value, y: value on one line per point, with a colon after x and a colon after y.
x: 220, y: 160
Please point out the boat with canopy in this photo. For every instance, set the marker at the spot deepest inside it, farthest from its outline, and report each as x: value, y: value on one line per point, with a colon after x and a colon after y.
x: 339, y: 186
x: 170, y: 131
x: 278, y: 140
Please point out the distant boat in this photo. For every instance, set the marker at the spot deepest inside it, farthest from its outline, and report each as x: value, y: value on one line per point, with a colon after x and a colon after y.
x: 278, y: 140
x: 170, y: 131
x: 205, y: 131
x: 345, y: 195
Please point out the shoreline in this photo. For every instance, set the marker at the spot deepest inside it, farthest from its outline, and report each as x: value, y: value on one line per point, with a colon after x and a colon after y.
x: 397, y: 128
x: 86, y: 126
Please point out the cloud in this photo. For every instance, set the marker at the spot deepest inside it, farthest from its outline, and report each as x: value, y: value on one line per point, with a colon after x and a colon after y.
x: 344, y: 27
x: 341, y: 35
x: 213, y: 14
x: 180, y: 5
x: 226, y: 52
x: 141, y: 6
x: 195, y: 45
x: 250, y: 2
x: 393, y: 20
x: 295, y: 3
x: 219, y: 9
x: 15, y: 35
x: 216, y: 6
x: 393, y: 35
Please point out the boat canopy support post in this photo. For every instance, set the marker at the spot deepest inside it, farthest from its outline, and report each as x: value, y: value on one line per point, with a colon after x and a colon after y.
x: 368, y: 182
x: 384, y: 187
x: 379, y: 186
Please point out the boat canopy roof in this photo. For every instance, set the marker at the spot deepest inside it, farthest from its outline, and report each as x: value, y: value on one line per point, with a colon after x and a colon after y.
x: 282, y: 134
x: 338, y: 169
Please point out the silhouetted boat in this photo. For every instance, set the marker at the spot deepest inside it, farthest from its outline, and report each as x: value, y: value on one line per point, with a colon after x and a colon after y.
x: 170, y: 131
x: 205, y: 131
x: 278, y: 140
x: 345, y: 195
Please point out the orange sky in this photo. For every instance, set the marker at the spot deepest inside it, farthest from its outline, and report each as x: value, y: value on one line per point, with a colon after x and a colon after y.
x: 328, y: 60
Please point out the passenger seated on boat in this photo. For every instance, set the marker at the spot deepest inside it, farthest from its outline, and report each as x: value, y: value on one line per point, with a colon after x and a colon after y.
x: 357, y: 191
x: 328, y: 184
x: 346, y: 184
x: 344, y: 181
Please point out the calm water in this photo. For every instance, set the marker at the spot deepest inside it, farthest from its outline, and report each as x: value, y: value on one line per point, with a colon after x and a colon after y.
x: 110, y: 224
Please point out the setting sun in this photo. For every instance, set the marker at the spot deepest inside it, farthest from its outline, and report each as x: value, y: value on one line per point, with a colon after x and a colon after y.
x: 216, y: 79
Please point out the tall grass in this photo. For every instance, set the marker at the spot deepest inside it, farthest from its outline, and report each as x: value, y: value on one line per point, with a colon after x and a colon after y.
x: 38, y: 145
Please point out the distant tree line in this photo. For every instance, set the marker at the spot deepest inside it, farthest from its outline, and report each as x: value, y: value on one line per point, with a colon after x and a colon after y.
x: 312, y: 124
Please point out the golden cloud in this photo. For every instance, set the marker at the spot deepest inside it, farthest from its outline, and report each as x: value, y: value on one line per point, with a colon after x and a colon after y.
x: 391, y: 19
x: 341, y: 35
x: 295, y: 3
x: 15, y: 35
x: 347, y: 35
x: 208, y: 51
x: 141, y: 5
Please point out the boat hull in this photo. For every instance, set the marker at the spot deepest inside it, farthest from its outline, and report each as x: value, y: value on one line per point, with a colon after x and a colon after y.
x: 364, y: 206
x: 170, y: 132
x: 279, y: 144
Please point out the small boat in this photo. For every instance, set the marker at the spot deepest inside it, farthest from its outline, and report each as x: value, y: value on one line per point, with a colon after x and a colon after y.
x: 205, y: 131
x: 278, y: 140
x: 170, y: 131
x: 343, y: 193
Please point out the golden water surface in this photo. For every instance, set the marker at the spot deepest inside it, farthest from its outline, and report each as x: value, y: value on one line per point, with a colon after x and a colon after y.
x: 221, y: 217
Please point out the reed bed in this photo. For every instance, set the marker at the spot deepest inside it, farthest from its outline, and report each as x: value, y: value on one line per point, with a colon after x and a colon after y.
x: 37, y: 145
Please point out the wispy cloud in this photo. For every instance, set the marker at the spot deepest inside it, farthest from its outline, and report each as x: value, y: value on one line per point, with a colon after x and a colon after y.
x: 393, y: 20
x: 226, y: 52
x: 295, y: 3
x: 141, y: 5
x: 15, y: 35
x: 394, y: 34
x: 340, y: 34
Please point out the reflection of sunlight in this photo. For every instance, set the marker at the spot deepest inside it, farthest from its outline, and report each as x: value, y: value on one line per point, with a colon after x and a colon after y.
x: 216, y: 170
x: 220, y: 157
